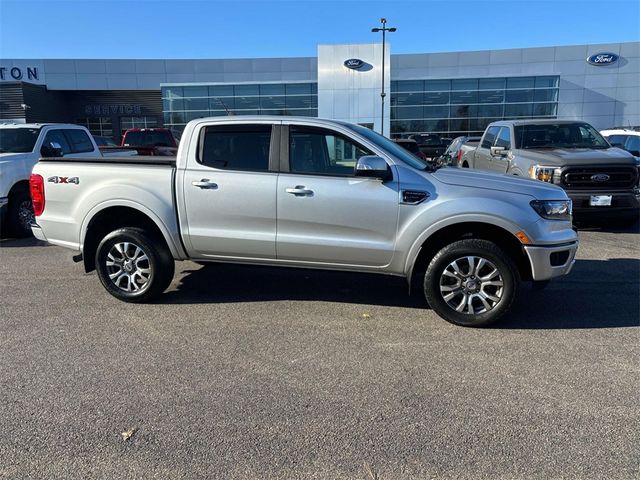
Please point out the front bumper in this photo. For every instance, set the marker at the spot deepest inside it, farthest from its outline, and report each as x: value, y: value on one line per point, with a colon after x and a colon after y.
x: 551, y: 261
x: 623, y: 204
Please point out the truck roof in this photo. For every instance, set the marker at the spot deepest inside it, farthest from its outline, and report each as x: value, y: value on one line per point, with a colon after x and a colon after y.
x: 535, y: 121
x: 39, y: 125
x: 269, y: 118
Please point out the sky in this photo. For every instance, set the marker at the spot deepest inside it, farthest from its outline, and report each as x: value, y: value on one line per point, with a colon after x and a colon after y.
x: 289, y: 28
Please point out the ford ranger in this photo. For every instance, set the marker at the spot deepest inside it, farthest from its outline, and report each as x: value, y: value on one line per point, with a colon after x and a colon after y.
x: 310, y: 193
x: 601, y: 180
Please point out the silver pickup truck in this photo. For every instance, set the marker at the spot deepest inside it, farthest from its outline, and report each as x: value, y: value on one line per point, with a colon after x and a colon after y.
x: 311, y: 193
x: 601, y: 180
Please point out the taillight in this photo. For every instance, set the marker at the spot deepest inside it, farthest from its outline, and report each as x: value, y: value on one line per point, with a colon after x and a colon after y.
x: 459, y: 154
x: 36, y: 185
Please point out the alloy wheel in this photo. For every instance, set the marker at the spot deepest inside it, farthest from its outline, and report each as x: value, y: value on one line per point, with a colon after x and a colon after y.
x: 128, y: 267
x: 471, y: 285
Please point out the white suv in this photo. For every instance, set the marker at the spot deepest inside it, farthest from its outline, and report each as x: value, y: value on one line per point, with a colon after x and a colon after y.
x: 627, y: 138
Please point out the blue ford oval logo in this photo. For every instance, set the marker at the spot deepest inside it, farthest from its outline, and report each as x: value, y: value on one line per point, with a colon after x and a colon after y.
x: 353, y: 63
x: 600, y: 59
x: 600, y: 177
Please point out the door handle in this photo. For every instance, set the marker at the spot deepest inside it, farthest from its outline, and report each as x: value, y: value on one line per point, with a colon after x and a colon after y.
x: 205, y: 183
x: 299, y: 191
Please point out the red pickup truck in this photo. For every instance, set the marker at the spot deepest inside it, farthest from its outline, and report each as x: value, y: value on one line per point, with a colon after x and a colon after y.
x: 152, y: 141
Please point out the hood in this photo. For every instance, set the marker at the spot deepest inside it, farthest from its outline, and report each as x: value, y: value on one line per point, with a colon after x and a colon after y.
x: 562, y: 157
x: 503, y: 183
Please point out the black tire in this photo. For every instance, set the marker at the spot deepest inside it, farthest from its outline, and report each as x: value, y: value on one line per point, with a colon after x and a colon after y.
x: 465, y: 165
x: 131, y: 264
x: 20, y: 215
x: 469, y: 283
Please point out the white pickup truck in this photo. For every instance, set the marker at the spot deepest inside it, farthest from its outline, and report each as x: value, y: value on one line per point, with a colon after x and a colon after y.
x: 311, y: 193
x: 21, y: 145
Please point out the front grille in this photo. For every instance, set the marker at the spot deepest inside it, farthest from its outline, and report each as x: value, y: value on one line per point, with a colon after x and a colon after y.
x: 584, y: 177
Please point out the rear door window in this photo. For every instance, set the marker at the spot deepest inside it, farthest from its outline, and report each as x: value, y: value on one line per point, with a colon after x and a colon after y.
x: 237, y: 147
x: 79, y: 141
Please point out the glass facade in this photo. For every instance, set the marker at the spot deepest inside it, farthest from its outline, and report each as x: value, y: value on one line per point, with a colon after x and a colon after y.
x: 100, y: 126
x: 137, y: 122
x: 466, y: 106
x: 181, y: 104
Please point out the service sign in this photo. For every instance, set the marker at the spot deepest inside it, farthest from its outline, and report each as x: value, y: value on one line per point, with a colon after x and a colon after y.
x: 600, y: 59
x: 354, y: 63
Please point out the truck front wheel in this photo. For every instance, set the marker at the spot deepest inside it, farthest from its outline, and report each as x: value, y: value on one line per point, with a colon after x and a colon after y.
x: 471, y: 282
x: 133, y: 266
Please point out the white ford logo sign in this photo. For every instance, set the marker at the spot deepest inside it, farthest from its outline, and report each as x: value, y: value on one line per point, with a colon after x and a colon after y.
x: 600, y: 59
x: 600, y: 177
x: 353, y: 63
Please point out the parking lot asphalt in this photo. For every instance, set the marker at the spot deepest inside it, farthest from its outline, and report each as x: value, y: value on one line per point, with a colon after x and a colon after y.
x: 246, y: 372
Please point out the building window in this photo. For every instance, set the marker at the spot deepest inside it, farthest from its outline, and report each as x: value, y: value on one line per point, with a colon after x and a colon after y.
x: 137, y: 122
x: 99, y: 126
x: 183, y: 103
x: 466, y: 106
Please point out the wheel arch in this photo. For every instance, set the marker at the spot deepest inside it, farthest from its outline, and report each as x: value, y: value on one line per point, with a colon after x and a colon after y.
x: 468, y: 229
x: 113, y: 217
x: 20, y: 186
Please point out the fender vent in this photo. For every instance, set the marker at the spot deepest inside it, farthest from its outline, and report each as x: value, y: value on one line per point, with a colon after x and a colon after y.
x: 413, y: 197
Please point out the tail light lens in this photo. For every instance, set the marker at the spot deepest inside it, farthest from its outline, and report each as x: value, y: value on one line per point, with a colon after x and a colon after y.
x: 459, y: 154
x: 36, y: 185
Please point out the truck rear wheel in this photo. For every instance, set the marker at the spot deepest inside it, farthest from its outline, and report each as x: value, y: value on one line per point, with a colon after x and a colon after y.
x: 20, y: 215
x: 471, y: 282
x: 133, y: 266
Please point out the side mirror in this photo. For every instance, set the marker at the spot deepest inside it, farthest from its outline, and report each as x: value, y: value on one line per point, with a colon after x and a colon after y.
x: 52, y: 150
x: 372, y: 166
x: 498, y: 151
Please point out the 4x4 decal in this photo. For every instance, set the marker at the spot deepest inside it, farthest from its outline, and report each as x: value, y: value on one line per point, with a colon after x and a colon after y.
x: 74, y: 180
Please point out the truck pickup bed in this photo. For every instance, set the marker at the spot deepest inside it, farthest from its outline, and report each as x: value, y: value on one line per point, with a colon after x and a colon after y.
x: 311, y: 193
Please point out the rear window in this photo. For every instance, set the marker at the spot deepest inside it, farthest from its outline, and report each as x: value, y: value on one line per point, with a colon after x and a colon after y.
x: 148, y: 138
x: 428, y: 140
x: 237, y: 147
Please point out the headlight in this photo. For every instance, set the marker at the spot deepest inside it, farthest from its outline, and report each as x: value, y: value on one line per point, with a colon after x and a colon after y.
x: 542, y: 173
x: 553, y: 209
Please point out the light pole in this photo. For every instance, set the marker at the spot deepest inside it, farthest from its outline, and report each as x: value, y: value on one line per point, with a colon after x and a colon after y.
x: 384, y: 30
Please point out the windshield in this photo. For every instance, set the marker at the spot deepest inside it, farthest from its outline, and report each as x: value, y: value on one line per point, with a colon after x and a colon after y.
x: 410, y: 146
x: 148, y: 139
x: 559, y: 135
x: 389, y: 146
x: 18, y: 140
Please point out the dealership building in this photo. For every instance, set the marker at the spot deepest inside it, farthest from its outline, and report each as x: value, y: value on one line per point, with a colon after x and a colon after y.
x: 450, y: 93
